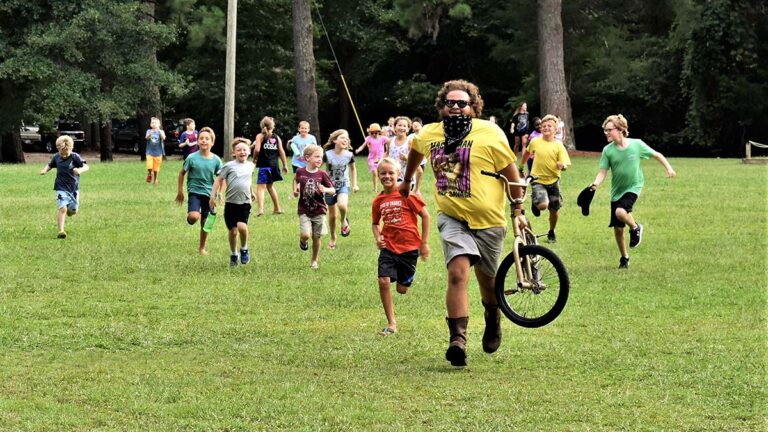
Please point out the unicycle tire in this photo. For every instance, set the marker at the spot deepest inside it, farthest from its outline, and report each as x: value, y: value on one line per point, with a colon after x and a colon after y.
x: 538, y: 306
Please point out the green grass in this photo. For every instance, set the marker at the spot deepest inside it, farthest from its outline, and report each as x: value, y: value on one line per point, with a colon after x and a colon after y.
x: 122, y: 326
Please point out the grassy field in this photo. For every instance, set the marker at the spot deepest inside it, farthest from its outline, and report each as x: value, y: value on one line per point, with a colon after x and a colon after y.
x: 122, y: 326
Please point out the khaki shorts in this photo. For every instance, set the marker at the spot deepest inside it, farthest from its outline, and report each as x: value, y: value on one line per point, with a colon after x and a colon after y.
x: 483, y: 246
x: 313, y: 224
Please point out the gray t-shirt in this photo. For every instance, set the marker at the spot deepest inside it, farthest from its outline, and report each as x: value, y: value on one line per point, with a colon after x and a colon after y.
x: 239, y: 177
x: 337, y: 167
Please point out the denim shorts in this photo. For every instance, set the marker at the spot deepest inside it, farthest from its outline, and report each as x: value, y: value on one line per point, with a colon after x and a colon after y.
x: 198, y: 203
x: 68, y: 200
x: 331, y: 199
x: 269, y: 175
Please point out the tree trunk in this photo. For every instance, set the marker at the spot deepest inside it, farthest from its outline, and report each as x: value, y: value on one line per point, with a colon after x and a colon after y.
x: 105, y: 140
x: 553, y: 91
x: 10, y: 148
x: 151, y: 105
x: 304, y: 65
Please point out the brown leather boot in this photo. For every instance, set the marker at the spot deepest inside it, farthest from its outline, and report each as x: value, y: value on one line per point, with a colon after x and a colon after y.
x: 492, y: 333
x: 457, y: 350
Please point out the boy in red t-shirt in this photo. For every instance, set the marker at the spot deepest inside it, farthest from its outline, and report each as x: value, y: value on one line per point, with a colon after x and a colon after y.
x: 398, y: 239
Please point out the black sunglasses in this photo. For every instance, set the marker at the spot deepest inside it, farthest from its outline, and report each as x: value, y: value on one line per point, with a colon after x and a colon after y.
x: 450, y: 103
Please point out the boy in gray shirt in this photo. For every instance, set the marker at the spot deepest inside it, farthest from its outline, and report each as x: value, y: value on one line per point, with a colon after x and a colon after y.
x: 237, y: 178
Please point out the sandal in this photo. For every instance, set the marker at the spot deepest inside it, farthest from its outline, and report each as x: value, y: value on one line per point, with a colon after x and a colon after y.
x: 278, y: 212
x: 387, y: 331
x: 332, y: 245
x: 303, y: 245
x: 345, y: 230
x: 260, y: 214
x: 314, y: 265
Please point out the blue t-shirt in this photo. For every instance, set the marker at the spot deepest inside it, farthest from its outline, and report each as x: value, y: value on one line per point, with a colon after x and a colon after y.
x: 154, y: 143
x: 66, y: 180
x: 297, y: 146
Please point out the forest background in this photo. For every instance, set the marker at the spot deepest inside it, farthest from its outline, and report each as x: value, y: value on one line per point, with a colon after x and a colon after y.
x: 690, y: 75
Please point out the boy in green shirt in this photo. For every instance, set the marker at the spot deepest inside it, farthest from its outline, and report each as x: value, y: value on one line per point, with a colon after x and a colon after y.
x: 622, y: 156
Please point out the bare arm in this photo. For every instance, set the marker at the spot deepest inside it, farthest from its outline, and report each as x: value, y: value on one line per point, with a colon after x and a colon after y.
x: 257, y: 146
x: 414, y: 160
x: 82, y: 169
x: 45, y: 170
x: 424, y: 246
x: 511, y: 173
x: 660, y: 157
x: 353, y: 172
x: 281, y: 151
x: 180, y: 191
x: 377, y: 236
x: 359, y: 149
x: 599, y: 178
x: 526, y: 156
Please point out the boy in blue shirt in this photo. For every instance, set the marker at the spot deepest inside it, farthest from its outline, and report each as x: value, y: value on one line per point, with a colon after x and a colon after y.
x: 69, y: 165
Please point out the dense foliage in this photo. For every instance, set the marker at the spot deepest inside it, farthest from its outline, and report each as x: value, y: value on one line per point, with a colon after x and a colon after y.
x: 690, y: 75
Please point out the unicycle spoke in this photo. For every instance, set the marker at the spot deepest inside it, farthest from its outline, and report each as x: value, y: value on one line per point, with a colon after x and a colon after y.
x: 542, y: 294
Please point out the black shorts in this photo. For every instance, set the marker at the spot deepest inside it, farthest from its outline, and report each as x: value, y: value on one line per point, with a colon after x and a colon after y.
x: 398, y: 268
x: 234, y: 213
x: 626, y: 202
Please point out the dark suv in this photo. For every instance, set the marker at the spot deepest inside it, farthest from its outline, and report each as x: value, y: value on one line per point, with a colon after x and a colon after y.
x: 127, y: 137
x: 48, y: 136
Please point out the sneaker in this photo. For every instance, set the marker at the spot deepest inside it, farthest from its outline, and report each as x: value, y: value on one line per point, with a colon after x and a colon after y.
x: 149, y: 178
x: 551, y: 238
x: 535, y: 210
x: 62, y: 235
x: 624, y: 262
x: 636, y: 236
x: 233, y: 260
x: 244, y: 257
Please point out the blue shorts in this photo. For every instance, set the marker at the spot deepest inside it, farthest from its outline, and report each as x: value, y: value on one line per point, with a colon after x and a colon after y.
x: 199, y: 203
x: 331, y: 199
x: 269, y: 175
x: 68, y: 200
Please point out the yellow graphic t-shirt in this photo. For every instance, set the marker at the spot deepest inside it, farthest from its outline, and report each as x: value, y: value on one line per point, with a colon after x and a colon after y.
x: 548, y: 154
x: 460, y: 190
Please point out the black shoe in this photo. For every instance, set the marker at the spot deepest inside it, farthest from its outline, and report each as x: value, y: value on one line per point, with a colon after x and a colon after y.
x: 233, y: 260
x: 535, y: 210
x: 303, y: 245
x: 636, y: 236
x: 623, y: 262
x: 551, y: 238
x: 456, y: 354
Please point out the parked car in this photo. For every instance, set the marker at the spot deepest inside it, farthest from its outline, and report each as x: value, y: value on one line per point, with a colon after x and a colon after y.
x: 60, y: 127
x: 30, y: 136
x: 126, y: 137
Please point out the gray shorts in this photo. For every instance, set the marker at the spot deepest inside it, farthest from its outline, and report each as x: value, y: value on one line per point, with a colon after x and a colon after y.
x: 551, y: 193
x: 313, y: 224
x: 482, y: 246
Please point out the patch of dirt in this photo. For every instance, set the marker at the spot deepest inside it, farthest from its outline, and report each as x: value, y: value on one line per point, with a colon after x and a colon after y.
x: 89, y: 155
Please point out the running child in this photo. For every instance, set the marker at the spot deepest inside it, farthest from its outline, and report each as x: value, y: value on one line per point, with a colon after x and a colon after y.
x: 399, y: 145
x: 297, y: 144
x: 155, y: 149
x: 188, y: 138
x: 398, y: 239
x: 69, y: 165
x: 419, y: 175
x: 551, y: 158
x: 377, y: 148
x: 310, y: 184
x: 341, y: 162
x: 622, y: 156
x: 202, y: 166
x: 267, y: 148
x: 237, y: 177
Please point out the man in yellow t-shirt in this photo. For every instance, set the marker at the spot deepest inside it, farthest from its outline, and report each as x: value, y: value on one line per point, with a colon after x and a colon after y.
x: 471, y: 217
x: 551, y: 158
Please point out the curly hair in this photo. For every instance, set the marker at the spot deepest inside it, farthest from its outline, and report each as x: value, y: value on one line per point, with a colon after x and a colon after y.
x: 619, y: 122
x: 475, y: 100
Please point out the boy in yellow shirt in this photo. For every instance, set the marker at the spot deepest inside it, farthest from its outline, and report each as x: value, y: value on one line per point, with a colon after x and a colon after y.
x: 551, y: 159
